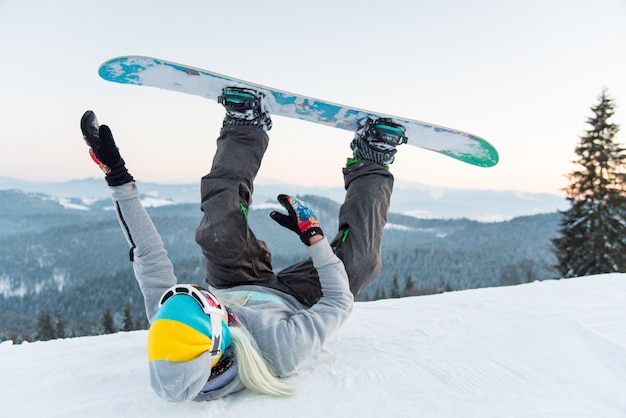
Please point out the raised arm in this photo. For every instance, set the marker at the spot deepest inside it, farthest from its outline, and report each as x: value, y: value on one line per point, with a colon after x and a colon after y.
x: 153, y: 269
x: 303, y: 334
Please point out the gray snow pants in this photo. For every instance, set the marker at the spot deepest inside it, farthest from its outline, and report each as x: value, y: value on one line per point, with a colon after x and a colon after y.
x: 233, y: 254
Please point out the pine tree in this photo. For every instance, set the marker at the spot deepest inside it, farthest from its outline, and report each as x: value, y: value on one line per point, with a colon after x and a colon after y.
x: 395, y: 288
x: 592, y: 237
x: 45, y: 330
x: 127, y: 321
x: 409, y: 287
x: 59, y: 325
x: 108, y: 324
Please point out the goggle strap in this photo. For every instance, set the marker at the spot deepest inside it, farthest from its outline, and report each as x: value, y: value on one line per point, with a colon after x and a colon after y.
x: 216, y: 332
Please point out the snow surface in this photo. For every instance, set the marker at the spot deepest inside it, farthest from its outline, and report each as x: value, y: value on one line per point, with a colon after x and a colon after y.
x: 545, y: 349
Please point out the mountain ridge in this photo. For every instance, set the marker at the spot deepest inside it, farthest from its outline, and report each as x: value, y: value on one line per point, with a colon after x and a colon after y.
x: 409, y: 198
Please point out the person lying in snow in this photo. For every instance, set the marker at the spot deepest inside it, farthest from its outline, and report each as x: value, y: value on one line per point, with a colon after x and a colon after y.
x: 252, y: 325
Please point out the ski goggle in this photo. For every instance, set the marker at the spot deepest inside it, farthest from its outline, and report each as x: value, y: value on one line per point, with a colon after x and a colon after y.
x: 210, y: 306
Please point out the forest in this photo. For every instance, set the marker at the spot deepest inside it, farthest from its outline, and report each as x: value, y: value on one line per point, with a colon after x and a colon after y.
x: 66, y: 272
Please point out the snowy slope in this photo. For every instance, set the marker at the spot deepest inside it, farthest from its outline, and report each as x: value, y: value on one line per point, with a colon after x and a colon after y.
x: 549, y: 349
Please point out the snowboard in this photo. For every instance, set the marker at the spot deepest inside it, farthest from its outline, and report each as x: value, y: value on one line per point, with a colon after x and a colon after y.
x: 146, y: 71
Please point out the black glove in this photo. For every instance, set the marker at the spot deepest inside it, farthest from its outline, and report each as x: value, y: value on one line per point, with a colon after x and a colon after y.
x: 300, y: 219
x: 103, y: 150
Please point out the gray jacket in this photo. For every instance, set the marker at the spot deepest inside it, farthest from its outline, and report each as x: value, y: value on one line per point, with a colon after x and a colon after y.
x: 285, y: 332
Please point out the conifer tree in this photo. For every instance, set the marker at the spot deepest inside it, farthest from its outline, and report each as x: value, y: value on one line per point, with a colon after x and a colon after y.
x: 395, y: 288
x: 108, y: 324
x: 592, y: 235
x: 45, y: 330
x: 127, y: 321
x: 409, y: 287
x: 59, y: 325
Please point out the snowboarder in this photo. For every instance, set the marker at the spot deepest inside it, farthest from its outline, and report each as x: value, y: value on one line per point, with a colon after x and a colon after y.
x: 252, y: 325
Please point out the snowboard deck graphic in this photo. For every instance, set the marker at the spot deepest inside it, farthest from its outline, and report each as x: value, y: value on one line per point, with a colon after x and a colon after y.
x: 146, y: 71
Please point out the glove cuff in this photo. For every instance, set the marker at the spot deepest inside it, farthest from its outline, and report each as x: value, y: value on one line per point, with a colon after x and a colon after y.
x: 309, y: 233
x: 118, y: 175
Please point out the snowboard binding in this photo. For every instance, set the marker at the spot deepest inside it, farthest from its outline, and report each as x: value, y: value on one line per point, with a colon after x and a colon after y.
x: 376, y: 140
x: 245, y: 107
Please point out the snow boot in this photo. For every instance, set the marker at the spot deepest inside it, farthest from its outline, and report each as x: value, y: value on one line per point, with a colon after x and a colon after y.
x: 245, y: 107
x: 376, y: 140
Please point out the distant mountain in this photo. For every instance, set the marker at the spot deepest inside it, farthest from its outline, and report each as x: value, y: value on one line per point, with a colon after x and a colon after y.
x: 414, y: 199
x: 423, y: 201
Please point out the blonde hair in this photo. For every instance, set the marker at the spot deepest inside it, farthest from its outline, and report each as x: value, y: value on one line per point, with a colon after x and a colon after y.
x: 253, y: 371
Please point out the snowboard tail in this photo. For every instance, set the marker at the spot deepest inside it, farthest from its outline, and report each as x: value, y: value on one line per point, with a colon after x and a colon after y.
x: 146, y: 71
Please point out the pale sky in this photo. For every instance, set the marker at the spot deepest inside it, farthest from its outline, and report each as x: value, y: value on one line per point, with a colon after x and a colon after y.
x: 521, y: 74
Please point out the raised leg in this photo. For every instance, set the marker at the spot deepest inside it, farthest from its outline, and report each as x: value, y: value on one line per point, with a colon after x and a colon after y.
x: 233, y: 254
x: 362, y: 217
